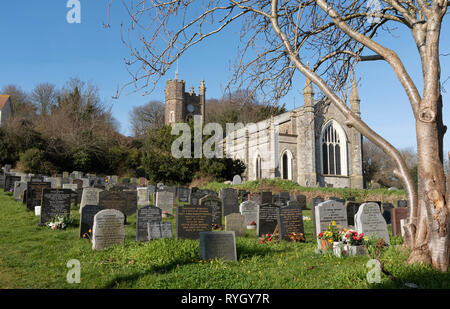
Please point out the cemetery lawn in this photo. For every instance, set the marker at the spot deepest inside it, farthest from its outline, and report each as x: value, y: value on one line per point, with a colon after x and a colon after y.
x: 36, y: 257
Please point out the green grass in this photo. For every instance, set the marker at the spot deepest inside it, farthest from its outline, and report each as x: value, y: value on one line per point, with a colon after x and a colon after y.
x: 36, y: 257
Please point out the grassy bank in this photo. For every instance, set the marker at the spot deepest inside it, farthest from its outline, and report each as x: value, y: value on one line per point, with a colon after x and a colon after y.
x: 36, y: 257
x: 277, y: 185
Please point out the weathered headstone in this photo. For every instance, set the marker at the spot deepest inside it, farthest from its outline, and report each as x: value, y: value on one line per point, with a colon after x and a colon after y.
x: 216, y: 208
x: 195, y: 196
x: 55, y: 202
x: 268, y: 219
x: 255, y: 197
x: 73, y: 187
x: 250, y: 211
x: 218, y: 245
x: 87, y: 218
x: 34, y: 193
x: 285, y: 197
x: 352, y: 209
x: 146, y: 215
x: 143, y: 197
x: 266, y: 197
x: 398, y: 214
x: 191, y: 220
x: 157, y: 230
x: 337, y: 199
x: 235, y: 222
x: 302, y: 200
x: 9, y: 182
x: 108, y: 229
x: 290, y: 220
x: 368, y: 220
x: 237, y: 180
x: 124, y: 201
x: 78, y: 182
x: 165, y: 201
x: 230, y: 203
x: 19, y: 188
x: 327, y: 212
x: 90, y: 196
x: 183, y: 194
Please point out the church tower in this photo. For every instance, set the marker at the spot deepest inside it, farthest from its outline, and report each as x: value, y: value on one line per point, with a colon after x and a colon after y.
x: 181, y: 106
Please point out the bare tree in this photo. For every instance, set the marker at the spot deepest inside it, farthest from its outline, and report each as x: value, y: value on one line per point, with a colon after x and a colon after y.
x: 22, y: 105
x: 44, y: 96
x: 148, y: 116
x: 277, y: 39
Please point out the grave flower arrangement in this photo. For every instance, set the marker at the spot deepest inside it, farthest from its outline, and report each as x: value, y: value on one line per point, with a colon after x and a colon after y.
x: 59, y: 223
x: 267, y: 238
x: 352, y: 238
x: 297, y: 237
x: 332, y: 234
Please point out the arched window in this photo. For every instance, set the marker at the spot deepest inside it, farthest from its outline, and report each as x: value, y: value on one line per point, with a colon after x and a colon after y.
x: 286, y: 165
x: 258, y: 167
x: 334, y: 150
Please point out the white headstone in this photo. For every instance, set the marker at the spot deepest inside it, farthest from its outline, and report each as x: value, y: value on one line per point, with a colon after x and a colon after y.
x: 90, y: 197
x: 370, y: 221
x: 164, y: 200
x: 250, y: 210
x: 143, y: 197
x: 108, y: 229
x: 237, y: 180
x: 327, y: 212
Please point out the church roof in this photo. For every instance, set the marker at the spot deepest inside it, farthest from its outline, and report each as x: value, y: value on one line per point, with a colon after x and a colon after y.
x: 3, y: 99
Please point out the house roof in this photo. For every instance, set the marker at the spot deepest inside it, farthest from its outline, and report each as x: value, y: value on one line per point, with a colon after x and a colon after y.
x: 3, y: 99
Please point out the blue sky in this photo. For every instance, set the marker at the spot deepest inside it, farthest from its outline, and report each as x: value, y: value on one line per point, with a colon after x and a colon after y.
x: 38, y: 45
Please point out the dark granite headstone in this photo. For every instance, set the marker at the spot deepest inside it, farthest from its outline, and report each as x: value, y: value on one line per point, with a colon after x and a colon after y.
x: 194, y: 197
x: 183, y: 194
x: 230, y: 203
x: 34, y: 193
x: 268, y: 219
x: 302, y: 200
x: 352, y: 209
x: 124, y: 201
x: 55, y: 202
x: 285, y: 197
x: 266, y: 197
x: 87, y: 218
x: 218, y: 245
x: 290, y: 221
x: 216, y: 207
x: 387, y: 211
x: 158, y: 230
x: 191, y: 220
x: 147, y: 214
x: 9, y: 182
x: 402, y: 203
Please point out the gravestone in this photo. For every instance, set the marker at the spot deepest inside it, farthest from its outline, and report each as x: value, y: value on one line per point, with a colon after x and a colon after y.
x: 398, y: 214
x: 183, y: 194
x: 290, y: 220
x: 9, y: 182
x: 143, y: 197
x: 146, y: 214
x: 158, y: 230
x: 191, y: 220
x: 165, y: 201
x: 86, y: 182
x: 78, y: 182
x: 65, y: 175
x: 386, y: 207
x: 235, y: 222
x: 302, y: 200
x: 268, y: 219
x: 370, y: 221
x: 352, y: 209
x: 250, y: 211
x: 230, y: 203
x: 19, y: 189
x: 90, y: 196
x: 275, y: 198
x: 315, y: 201
x: 402, y: 203
x: 87, y: 218
x: 285, y: 197
x: 327, y: 212
x: 255, y: 197
x: 216, y: 208
x: 195, y: 196
x: 142, y: 181
x: 73, y: 187
x: 2, y: 180
x: 376, y: 202
x: 114, y: 179
x: 337, y: 199
x: 237, y: 180
x: 108, y: 229
x: 243, y: 195
x: 218, y: 245
x: 266, y: 197
x: 55, y: 202
x: 37, y: 178
x: 34, y: 193
x: 124, y: 201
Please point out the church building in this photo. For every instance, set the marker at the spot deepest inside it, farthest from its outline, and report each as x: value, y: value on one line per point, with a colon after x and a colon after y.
x: 310, y: 145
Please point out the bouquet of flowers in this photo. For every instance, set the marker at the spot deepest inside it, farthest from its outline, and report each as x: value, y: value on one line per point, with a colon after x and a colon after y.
x: 297, y: 237
x: 268, y: 238
x: 59, y: 223
x: 332, y: 234
x: 352, y: 238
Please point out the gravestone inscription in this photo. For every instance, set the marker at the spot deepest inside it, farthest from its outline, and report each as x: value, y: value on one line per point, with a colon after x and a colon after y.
x: 34, y: 193
x: 108, y: 229
x: 165, y: 200
x: 216, y: 208
x: 191, y: 220
x: 326, y: 213
x: 235, y: 222
x: 218, y: 245
x: 230, y: 203
x: 370, y: 221
x: 268, y: 219
x: 158, y: 230
x: 250, y: 211
x: 146, y: 214
x: 55, y: 202
x: 290, y: 221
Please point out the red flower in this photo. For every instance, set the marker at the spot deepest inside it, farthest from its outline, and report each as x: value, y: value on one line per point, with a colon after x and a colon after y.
x: 358, y: 238
x: 269, y: 239
x: 354, y: 237
x: 320, y: 234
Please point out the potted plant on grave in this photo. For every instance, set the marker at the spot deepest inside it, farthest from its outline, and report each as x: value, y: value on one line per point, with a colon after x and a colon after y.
x: 354, y: 242
x: 251, y: 225
x: 331, y: 238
